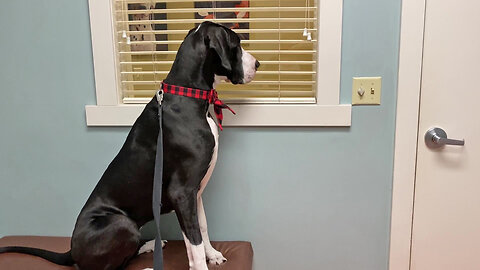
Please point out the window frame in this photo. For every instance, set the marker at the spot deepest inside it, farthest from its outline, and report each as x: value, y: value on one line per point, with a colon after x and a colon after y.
x: 327, y: 111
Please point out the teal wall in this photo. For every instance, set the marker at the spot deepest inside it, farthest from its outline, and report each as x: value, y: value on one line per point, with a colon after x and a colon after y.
x: 308, y: 198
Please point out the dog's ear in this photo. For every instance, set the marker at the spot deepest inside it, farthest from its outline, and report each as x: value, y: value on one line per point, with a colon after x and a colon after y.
x: 220, y: 41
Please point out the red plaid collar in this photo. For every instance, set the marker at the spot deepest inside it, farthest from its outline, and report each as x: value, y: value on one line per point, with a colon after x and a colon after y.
x: 210, y: 95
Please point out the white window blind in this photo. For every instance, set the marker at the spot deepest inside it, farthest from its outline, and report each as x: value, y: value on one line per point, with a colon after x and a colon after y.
x: 149, y: 33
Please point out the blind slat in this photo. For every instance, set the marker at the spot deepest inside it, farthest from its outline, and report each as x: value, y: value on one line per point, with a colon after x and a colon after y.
x: 285, y: 72
x: 228, y: 20
x: 266, y: 62
x: 227, y: 92
x: 250, y: 51
x: 189, y: 1
x: 257, y: 41
x: 238, y: 31
x: 260, y: 100
x: 217, y: 10
x: 252, y: 82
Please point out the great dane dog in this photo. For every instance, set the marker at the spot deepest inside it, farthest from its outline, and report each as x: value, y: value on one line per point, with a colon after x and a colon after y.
x: 106, y: 234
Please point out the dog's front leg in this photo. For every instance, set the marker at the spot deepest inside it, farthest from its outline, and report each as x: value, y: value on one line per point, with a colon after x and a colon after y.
x: 213, y: 256
x: 186, y: 210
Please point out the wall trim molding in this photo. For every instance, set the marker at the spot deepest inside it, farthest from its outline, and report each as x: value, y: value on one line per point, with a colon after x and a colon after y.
x: 407, y: 116
x: 247, y: 115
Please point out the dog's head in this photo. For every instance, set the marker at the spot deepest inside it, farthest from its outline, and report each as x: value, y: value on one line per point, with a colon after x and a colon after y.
x: 237, y: 65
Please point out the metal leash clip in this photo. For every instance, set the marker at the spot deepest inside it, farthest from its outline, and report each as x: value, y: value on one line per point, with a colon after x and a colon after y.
x: 159, y: 96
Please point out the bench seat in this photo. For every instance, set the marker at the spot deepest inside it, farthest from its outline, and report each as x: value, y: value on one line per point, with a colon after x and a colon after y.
x: 238, y: 253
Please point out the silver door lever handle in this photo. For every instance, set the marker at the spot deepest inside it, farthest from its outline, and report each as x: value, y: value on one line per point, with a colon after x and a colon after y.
x: 437, y: 137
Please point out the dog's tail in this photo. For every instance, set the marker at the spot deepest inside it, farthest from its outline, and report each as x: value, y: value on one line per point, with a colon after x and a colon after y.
x: 58, y: 258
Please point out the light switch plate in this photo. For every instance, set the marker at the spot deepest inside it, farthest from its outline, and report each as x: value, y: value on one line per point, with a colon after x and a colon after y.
x: 366, y: 90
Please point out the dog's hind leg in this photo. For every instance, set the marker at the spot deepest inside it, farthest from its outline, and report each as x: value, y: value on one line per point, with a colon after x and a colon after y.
x: 104, y: 239
x: 213, y: 256
x: 185, y: 204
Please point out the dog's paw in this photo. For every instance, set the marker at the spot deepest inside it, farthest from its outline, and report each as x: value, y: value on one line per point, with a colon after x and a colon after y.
x: 150, y: 246
x: 147, y: 247
x: 215, y: 257
x: 147, y: 269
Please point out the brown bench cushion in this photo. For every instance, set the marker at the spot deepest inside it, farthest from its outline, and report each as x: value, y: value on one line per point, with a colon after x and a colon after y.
x: 239, y: 255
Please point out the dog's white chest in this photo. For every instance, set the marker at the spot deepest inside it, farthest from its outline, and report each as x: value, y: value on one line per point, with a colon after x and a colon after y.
x: 206, y: 178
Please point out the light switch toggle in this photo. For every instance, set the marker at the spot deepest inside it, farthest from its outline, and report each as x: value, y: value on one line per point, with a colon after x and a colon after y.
x: 360, y: 91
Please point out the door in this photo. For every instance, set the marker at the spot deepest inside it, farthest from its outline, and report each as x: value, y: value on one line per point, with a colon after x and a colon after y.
x: 446, y: 220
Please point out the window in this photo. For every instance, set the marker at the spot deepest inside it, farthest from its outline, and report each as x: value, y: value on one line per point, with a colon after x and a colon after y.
x: 148, y: 35
x: 135, y: 42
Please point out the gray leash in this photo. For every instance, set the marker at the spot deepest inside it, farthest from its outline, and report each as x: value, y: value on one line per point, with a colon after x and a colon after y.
x: 157, y: 189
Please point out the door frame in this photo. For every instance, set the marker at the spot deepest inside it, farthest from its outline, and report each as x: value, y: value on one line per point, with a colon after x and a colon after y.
x: 406, y: 132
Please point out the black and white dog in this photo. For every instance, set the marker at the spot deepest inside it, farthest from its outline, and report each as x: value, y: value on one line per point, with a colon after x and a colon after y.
x: 106, y: 234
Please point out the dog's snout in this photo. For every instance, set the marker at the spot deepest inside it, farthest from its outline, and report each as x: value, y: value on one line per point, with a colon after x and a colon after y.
x: 257, y: 64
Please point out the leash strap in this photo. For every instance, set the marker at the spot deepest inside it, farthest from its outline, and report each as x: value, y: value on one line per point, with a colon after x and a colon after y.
x: 157, y: 189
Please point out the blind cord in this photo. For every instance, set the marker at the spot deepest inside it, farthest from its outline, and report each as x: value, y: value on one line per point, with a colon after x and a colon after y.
x: 307, y: 33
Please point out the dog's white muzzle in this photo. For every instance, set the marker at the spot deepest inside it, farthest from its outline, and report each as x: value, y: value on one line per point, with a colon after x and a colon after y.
x: 249, y: 69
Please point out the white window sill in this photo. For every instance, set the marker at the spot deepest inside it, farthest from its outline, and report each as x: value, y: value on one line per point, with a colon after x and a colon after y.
x: 247, y: 115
